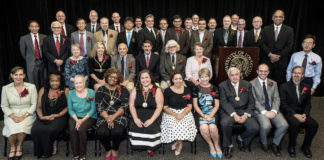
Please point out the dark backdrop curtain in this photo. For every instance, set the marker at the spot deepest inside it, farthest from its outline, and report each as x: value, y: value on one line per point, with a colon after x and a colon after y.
x: 305, y: 16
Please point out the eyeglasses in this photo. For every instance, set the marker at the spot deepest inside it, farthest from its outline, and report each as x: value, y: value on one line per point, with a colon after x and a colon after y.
x: 172, y: 47
x: 113, y: 77
x: 56, y: 27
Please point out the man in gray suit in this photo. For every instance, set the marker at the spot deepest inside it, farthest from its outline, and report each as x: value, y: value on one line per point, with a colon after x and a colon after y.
x: 31, y: 50
x: 126, y: 64
x: 203, y: 36
x: 267, y: 102
x: 82, y: 37
x: 93, y: 26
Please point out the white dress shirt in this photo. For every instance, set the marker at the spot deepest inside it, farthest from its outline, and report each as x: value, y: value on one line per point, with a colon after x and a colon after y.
x: 192, y: 67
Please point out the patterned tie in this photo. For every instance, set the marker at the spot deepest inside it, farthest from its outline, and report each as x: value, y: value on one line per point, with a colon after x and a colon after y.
x: 82, y: 44
x: 276, y: 33
x: 304, y: 64
x: 57, y: 46
x: 37, y: 52
x: 256, y: 37
x: 117, y: 29
x: 240, y: 40
x: 147, y: 61
x: 63, y: 32
x: 225, y: 36
x: 266, y: 97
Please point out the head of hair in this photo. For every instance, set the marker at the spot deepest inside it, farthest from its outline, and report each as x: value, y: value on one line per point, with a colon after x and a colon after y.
x: 129, y: 19
x: 32, y: 21
x: 76, y: 45
x: 139, y: 86
x: 172, y: 76
x: 176, y: 17
x: 56, y: 73
x: 232, y: 69
x: 198, y: 44
x: 81, y: 19
x: 149, y: 16
x: 195, y: 14
x: 163, y: 19
x: 14, y: 70
x: 138, y: 17
x: 79, y: 76
x: 298, y: 67
x: 111, y: 71
x: 202, y: 19
x: 104, y: 18
x: 188, y: 19
x: 262, y: 64
x: 149, y: 42
x: 93, y: 11
x: 171, y: 42
x: 227, y: 16
x: 212, y: 19
x: 95, y: 47
x: 279, y: 10
x: 204, y: 71
x: 56, y: 22
x: 310, y: 36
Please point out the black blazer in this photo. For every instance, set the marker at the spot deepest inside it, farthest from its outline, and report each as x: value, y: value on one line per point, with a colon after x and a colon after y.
x: 121, y: 27
x: 282, y: 46
x: 133, y: 46
x: 289, y: 104
x: 50, y: 53
x: 250, y: 42
x: 184, y: 40
x: 69, y: 30
x: 154, y: 65
x: 219, y: 38
x: 88, y: 27
x: 227, y: 98
x: 145, y: 34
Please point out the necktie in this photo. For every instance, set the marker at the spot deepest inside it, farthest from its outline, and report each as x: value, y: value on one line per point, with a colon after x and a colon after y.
x: 37, y: 52
x: 177, y: 31
x: 63, y: 32
x: 266, y: 97
x: 152, y: 31
x: 117, y: 29
x: 304, y: 64
x: 93, y: 28
x: 123, y: 67
x: 225, y: 36
x: 172, y: 59
x: 128, y: 38
x: 297, y: 91
x: 147, y: 61
x: 240, y: 40
x: 276, y: 33
x: 256, y: 36
x: 81, y: 44
x: 236, y: 92
x: 57, y: 46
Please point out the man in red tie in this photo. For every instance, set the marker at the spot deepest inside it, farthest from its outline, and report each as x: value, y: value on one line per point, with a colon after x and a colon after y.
x: 67, y: 29
x: 240, y: 33
x: 83, y: 37
x: 30, y: 49
x: 56, y: 48
x: 117, y: 26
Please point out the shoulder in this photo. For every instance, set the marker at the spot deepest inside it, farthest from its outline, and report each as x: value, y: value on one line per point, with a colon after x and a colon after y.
x: 287, y: 27
x: 245, y: 83
x: 90, y: 91
x: 223, y: 84
x: 89, y: 34
x: 6, y: 87
x: 112, y: 31
x: 181, y: 56
x: 24, y: 37
x: 29, y: 85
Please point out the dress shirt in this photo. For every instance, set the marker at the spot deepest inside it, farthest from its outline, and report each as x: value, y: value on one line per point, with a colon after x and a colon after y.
x: 64, y: 29
x: 117, y: 25
x: 279, y: 27
x: 236, y: 87
x: 124, y: 74
x: 194, y: 27
x: 151, y: 29
x: 33, y: 39
x: 59, y: 38
x: 84, y: 41
x: 93, y: 26
x: 238, y: 35
x: 163, y: 35
x: 266, y: 84
x: 175, y: 58
x: 257, y: 31
x: 201, y: 36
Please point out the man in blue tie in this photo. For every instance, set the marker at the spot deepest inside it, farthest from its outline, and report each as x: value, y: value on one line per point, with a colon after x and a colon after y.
x: 129, y: 36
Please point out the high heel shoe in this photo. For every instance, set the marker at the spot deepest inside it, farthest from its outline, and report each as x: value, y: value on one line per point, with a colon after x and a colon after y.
x: 114, y: 157
x: 12, y: 158
x: 19, y: 157
x: 214, y: 155
x: 176, y: 153
x: 151, y: 153
x: 219, y: 155
x: 174, y: 146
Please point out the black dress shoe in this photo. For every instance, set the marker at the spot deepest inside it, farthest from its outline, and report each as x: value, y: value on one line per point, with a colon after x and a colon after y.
x: 240, y: 144
x: 227, y: 152
x: 265, y: 148
x: 307, y: 152
x: 276, y: 150
x: 292, y: 151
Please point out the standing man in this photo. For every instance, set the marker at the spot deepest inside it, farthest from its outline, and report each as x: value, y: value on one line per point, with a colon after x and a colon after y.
x: 278, y: 40
x: 224, y: 36
x: 107, y: 36
x: 253, y: 37
x: 115, y: 17
x: 83, y: 37
x: 235, y: 19
x: 195, y: 19
x: 267, y: 102
x: 188, y: 26
x: 163, y: 28
x: 203, y: 36
x: 67, y: 29
x: 31, y: 50
x: 240, y: 38
x: 93, y: 26
x: 129, y: 37
x: 138, y: 23
x: 212, y: 24
x: 311, y: 62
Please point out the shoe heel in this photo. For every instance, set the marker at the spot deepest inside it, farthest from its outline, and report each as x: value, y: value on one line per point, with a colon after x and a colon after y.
x: 213, y: 155
x: 220, y: 155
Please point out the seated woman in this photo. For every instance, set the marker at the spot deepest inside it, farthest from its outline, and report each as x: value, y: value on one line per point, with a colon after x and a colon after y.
x: 206, y: 104
x: 18, y: 103
x: 82, y: 111
x: 99, y: 62
x: 112, y: 106
x: 194, y: 64
x: 178, y: 123
x: 145, y: 105
x: 76, y: 65
x: 171, y: 62
x: 52, y: 118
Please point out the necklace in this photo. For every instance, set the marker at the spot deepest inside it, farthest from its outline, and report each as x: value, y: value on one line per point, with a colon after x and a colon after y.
x: 145, y: 95
x: 111, y: 102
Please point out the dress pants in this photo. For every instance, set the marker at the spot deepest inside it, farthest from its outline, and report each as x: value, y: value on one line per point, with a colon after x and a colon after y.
x: 107, y: 135
x: 277, y: 72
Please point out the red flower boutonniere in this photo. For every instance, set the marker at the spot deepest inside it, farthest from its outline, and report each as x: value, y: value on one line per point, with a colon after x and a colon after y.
x: 158, y: 32
x: 119, y: 90
x: 304, y: 90
x: 271, y: 84
x: 153, y: 91
x: 130, y: 66
x: 204, y: 60
x: 106, y: 57
x: 111, y: 35
x: 59, y: 93
x: 183, y: 30
x: 180, y: 61
x: 90, y: 99
x: 232, y: 32
x: 313, y: 63
x: 24, y: 93
x: 133, y: 40
x: 206, y: 37
x: 64, y: 39
x: 73, y: 62
x: 88, y: 38
x: 187, y: 97
x: 242, y: 89
x: 213, y: 94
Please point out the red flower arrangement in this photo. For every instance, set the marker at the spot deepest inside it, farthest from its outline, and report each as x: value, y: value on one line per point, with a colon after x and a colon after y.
x: 90, y: 99
x: 133, y: 40
x: 106, y: 57
x: 187, y: 97
x: 153, y: 91
x: 59, y: 93
x: 232, y: 32
x: 271, y: 84
x: 183, y: 30
x: 242, y: 89
x: 180, y: 61
x: 204, y: 60
x: 130, y: 66
x: 158, y: 32
x: 88, y: 38
x: 304, y: 90
x: 206, y: 37
x: 119, y: 90
x: 111, y: 35
x: 73, y: 62
x: 24, y: 93
x: 213, y: 94
x: 313, y: 63
x: 64, y: 39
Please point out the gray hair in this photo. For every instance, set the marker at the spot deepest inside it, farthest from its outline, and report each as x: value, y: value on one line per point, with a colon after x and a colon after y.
x: 232, y: 69
x: 55, y: 22
x: 171, y: 42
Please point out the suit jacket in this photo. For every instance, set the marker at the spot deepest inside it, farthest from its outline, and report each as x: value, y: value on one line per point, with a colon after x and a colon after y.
x: 121, y: 28
x: 154, y: 65
x: 50, y: 53
x: 207, y: 42
x: 236, y: 38
x: 88, y: 27
x: 219, y: 38
x: 111, y: 40
x: 228, y: 104
x: 27, y: 50
x: 184, y: 40
x: 166, y: 65
x: 282, y: 46
x: 273, y: 94
x: 130, y: 66
x: 133, y: 46
x: 145, y: 34
x: 89, y: 43
x: 289, y: 101
x: 250, y: 41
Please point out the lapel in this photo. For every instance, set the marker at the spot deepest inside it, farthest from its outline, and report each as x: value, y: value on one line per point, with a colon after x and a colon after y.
x: 273, y: 33
x: 173, y: 33
x: 151, y: 61
x: 259, y: 88
x: 30, y: 42
x: 231, y: 88
x: 281, y: 32
x: 222, y: 35
x: 118, y: 62
x: 239, y: 88
x: 127, y: 63
x: 53, y: 44
x: 292, y: 89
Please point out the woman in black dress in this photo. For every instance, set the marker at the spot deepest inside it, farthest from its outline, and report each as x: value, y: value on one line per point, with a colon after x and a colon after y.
x: 145, y: 104
x: 112, y: 106
x: 99, y: 61
x: 52, y: 118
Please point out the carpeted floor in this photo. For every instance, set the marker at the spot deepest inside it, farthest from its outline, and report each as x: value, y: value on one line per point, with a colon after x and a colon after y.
x: 202, y: 148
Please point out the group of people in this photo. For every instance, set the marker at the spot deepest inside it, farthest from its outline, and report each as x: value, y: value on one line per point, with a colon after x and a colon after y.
x: 155, y: 85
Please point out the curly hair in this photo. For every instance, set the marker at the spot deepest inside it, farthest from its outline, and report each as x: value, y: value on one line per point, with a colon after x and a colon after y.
x: 56, y: 73
x: 111, y: 71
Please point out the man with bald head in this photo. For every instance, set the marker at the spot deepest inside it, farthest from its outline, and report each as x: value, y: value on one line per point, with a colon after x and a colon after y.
x: 253, y: 37
x: 224, y: 36
x: 240, y: 38
x: 212, y: 24
x: 117, y: 26
x: 107, y: 36
x: 237, y: 106
x: 277, y: 42
x: 93, y: 26
x: 67, y: 29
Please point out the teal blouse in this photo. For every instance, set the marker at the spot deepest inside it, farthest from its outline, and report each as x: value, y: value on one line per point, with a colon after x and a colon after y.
x: 82, y: 106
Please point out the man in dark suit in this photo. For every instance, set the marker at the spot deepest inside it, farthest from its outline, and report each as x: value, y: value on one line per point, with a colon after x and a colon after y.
x: 150, y: 33
x: 254, y: 37
x: 240, y: 36
x: 149, y: 60
x: 224, y: 36
x: 129, y: 37
x: 93, y: 26
x: 277, y: 42
x: 83, y: 37
x: 138, y: 24
x: 295, y: 100
x: 203, y: 36
x: 67, y: 29
x: 163, y: 28
x: 56, y: 48
x: 212, y: 24
x: 179, y: 34
x: 117, y: 26
x: 237, y: 106
x: 31, y: 50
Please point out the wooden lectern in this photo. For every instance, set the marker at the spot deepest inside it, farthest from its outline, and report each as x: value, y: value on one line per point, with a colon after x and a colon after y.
x: 246, y: 59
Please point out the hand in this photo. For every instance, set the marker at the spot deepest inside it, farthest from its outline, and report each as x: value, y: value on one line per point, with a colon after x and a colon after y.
x: 196, y: 82
x: 244, y: 118
x: 156, y: 53
x: 312, y: 91
x: 59, y: 62
x: 148, y: 122
x: 14, y: 118
x: 298, y: 117
x: 78, y: 124
x: 274, y: 57
x: 303, y: 116
x: 111, y: 124
x: 237, y: 118
x: 72, y: 79
x: 101, y: 82
x: 138, y: 122
x: 207, y: 117
x: 270, y: 114
x: 179, y: 117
